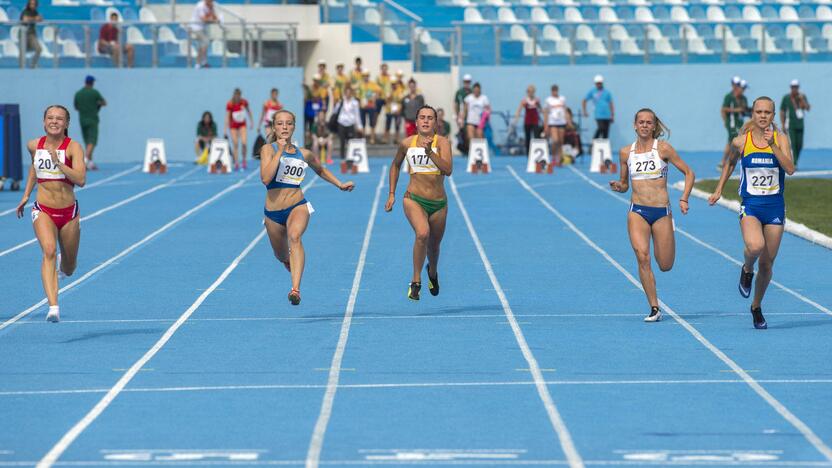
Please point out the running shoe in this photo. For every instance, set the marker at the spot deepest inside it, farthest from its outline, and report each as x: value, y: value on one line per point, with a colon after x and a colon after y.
x: 236, y: 167
x: 91, y: 166
x: 655, y: 315
x: 745, y: 282
x: 245, y: 166
x: 759, y: 320
x: 413, y: 291
x: 294, y: 297
x: 433, y: 283
x: 54, y: 314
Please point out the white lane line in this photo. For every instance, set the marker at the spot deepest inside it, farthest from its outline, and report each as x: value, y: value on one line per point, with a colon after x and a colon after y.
x: 55, y: 452
x: 107, y: 208
x: 133, y: 247
x: 88, y: 186
x: 564, y: 437
x: 313, y: 455
x: 366, y: 462
x: 708, y: 246
x: 807, y: 432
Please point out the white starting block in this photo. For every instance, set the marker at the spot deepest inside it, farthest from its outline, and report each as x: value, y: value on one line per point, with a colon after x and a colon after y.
x: 155, y: 160
x: 478, y: 158
x: 602, y: 157
x: 356, y: 157
x: 539, y: 158
x: 219, y: 157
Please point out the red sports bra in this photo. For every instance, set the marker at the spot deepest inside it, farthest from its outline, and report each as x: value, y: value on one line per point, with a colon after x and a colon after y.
x: 56, y: 176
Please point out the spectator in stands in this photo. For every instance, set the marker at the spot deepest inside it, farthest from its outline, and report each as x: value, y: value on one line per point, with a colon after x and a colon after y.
x: 338, y: 83
x: 369, y: 92
x: 604, y: 108
x: 385, y: 83
x: 794, y: 106
x: 312, y: 105
x: 357, y: 74
x: 206, y: 130
x: 324, y: 82
x: 88, y: 101
x: 393, y: 110
x: 443, y: 127
x: 531, y: 119
x: 349, y: 119
x: 108, y: 42
x: 411, y: 103
x: 203, y: 17
x: 30, y: 17
x: 476, y: 112
x: 733, y: 109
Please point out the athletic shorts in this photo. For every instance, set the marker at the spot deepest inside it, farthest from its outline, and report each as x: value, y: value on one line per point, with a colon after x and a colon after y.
x: 766, y: 214
x: 430, y: 206
x: 89, y: 131
x: 59, y: 216
x: 651, y: 214
x: 281, y: 216
x: 732, y: 133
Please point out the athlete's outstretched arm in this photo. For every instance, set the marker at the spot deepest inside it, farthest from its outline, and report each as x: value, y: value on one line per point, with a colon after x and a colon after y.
x: 623, y: 182
x: 395, y: 168
x: 325, y: 173
x: 672, y: 156
x: 733, y: 156
x: 77, y: 174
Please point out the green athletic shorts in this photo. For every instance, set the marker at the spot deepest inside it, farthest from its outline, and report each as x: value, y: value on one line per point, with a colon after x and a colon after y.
x: 90, y: 133
x: 430, y: 206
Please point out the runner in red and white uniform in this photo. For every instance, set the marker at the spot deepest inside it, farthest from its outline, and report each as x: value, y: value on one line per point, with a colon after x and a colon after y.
x: 270, y: 107
x: 236, y: 124
x: 57, y: 167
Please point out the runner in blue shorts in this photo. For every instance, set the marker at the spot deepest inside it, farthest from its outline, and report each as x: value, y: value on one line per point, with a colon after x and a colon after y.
x: 282, y: 169
x: 645, y: 163
x: 765, y: 159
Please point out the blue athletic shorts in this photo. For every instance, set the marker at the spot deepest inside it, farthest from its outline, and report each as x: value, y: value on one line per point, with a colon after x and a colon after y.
x: 280, y: 216
x: 651, y: 214
x: 767, y: 214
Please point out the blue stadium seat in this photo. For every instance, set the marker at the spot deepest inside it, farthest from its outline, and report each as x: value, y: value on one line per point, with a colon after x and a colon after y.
x: 661, y: 13
x: 696, y: 12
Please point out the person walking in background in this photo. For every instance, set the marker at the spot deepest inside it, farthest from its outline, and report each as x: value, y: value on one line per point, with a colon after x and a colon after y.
x: 557, y: 119
x: 108, y: 42
x: 369, y: 92
x: 30, y: 17
x: 459, y: 107
x: 206, y: 130
x: 604, y: 108
x: 412, y: 102
x: 385, y: 84
x: 236, y: 125
x: 476, y: 111
x: 203, y: 17
x: 443, y: 127
x: 393, y: 110
x: 531, y: 120
x: 270, y: 106
x: 88, y: 101
x: 349, y: 119
x: 732, y: 112
x: 794, y: 106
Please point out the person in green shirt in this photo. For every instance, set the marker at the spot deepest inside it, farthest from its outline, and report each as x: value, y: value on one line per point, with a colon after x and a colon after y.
x: 794, y: 106
x: 88, y: 101
x: 732, y: 110
x: 443, y: 127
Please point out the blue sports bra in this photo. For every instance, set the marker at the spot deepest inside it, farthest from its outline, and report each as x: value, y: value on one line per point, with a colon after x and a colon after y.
x: 290, y: 172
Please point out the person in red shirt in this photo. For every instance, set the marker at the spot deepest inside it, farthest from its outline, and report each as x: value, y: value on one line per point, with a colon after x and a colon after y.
x: 57, y: 167
x: 108, y: 43
x: 235, y: 124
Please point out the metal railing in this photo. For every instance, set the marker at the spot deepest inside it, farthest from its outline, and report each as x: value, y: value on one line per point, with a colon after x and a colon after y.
x: 155, y: 44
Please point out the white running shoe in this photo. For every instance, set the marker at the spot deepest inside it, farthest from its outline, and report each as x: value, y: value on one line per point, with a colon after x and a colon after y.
x: 54, y: 314
x: 655, y: 315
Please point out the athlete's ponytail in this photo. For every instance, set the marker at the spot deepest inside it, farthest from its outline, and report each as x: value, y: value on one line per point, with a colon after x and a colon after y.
x: 660, y: 129
x: 58, y: 106
x: 746, y: 127
x: 270, y: 135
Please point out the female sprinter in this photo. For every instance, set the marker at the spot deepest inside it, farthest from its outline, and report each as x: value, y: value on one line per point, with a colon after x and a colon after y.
x: 270, y: 106
x: 282, y: 170
x: 235, y: 121
x: 429, y: 161
x: 57, y: 166
x: 645, y: 163
x: 765, y: 159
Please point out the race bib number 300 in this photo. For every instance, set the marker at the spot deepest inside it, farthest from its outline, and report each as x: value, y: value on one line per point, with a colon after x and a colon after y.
x: 291, y: 171
x: 762, y: 180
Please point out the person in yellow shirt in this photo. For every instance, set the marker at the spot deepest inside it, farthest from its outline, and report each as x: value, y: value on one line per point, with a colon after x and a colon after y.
x: 393, y: 110
x: 324, y: 82
x: 340, y: 80
x: 356, y: 76
x: 369, y: 93
x: 385, y: 82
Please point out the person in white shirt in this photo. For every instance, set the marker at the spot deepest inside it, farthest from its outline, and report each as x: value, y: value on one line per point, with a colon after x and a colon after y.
x: 203, y: 16
x: 554, y: 127
x: 349, y: 118
x: 477, y: 109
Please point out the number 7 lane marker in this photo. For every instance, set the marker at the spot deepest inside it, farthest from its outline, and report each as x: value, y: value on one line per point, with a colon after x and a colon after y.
x: 313, y: 455
x: 126, y: 251
x: 573, y: 458
x: 52, y: 456
x: 762, y: 392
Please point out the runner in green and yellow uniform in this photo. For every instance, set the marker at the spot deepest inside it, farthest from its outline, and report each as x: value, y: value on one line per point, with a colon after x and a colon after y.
x: 428, y: 157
